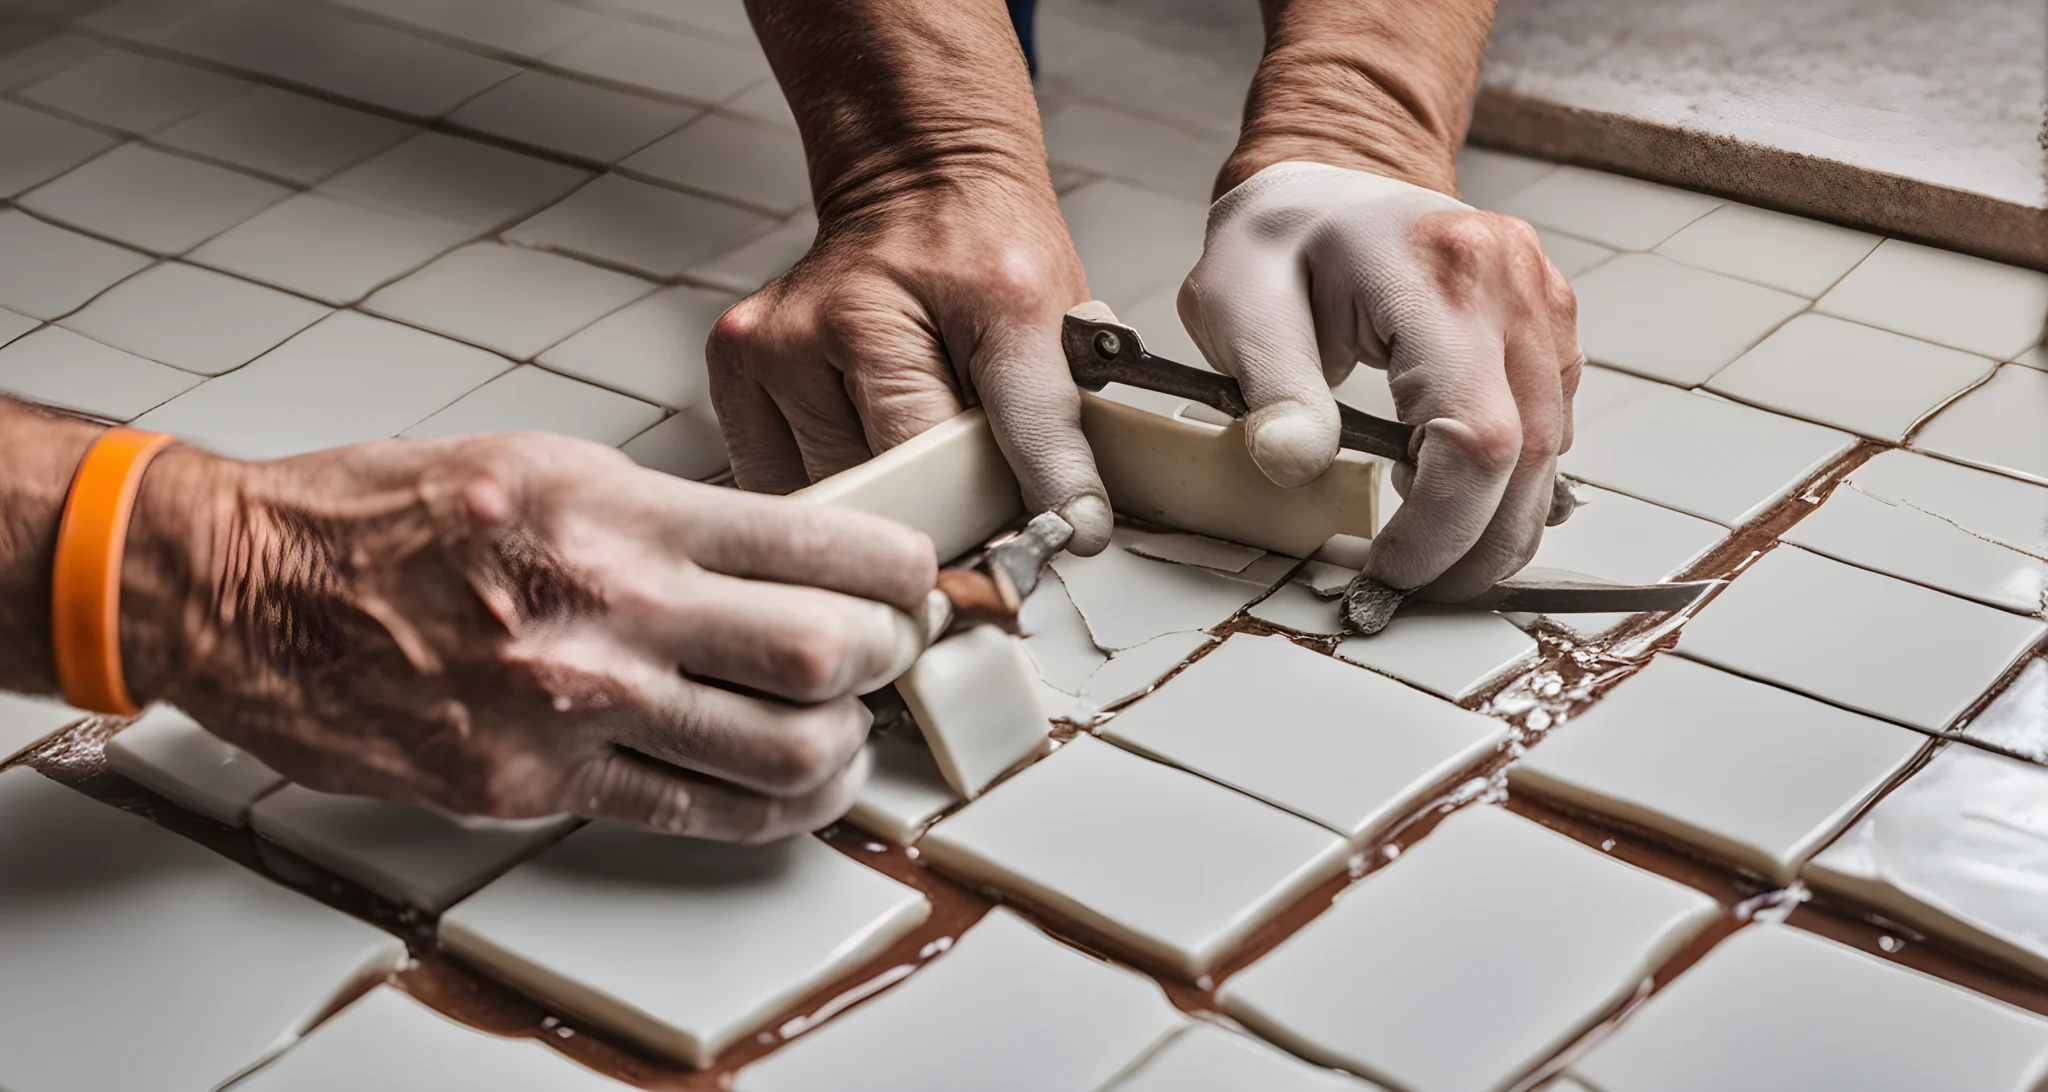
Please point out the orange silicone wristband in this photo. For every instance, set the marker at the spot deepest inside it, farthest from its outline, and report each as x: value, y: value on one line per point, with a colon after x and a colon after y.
x: 85, y: 586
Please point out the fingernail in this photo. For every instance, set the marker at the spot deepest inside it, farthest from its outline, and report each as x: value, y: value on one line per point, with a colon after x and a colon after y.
x: 1092, y: 521
x: 910, y: 645
x: 1289, y: 445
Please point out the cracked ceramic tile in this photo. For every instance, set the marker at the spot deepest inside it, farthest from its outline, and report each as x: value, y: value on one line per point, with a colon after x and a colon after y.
x: 41, y: 147
x: 1976, y: 305
x: 1057, y: 637
x: 656, y: 231
x: 331, y: 250
x: 1329, y: 577
x: 288, y: 136
x: 738, y: 160
x: 1446, y: 650
x: 13, y: 324
x: 534, y: 398
x: 1997, y: 426
x: 904, y: 792
x: 1814, y: 1013
x: 2017, y: 719
x: 571, y: 117
x: 1187, y: 549
x: 1571, y: 256
x: 131, y: 92
x: 1701, y: 455
x: 1133, y: 243
x: 1134, y: 671
x: 1622, y: 540
x: 973, y: 697
x: 194, y: 319
x: 387, y: 1040
x: 43, y: 58
x: 1624, y: 213
x: 347, y: 378
x: 686, y: 444
x: 677, y: 945
x: 1366, y: 986
x: 1143, y: 152
x: 1016, y: 1010
x: 761, y: 259
x: 1297, y: 606
x: 59, y: 368
x: 1343, y: 747
x: 1128, y: 600
x: 1854, y: 377
x: 51, y: 272
x: 464, y: 184
x: 169, y: 754
x: 950, y: 481
x: 1789, y: 253
x: 1959, y: 852
x: 526, y: 29
x: 25, y: 721
x: 510, y: 300
x: 208, y: 966
x: 1675, y: 750
x: 1858, y: 639
x: 1065, y: 833
x: 1602, y: 390
x: 152, y: 200
x: 652, y: 349
x: 682, y: 65
x: 1206, y: 1058
x: 1486, y: 177
x: 1656, y: 318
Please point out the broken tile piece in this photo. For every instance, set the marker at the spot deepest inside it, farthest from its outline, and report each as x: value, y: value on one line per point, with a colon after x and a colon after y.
x: 1016, y: 1011
x: 656, y: 231
x: 169, y: 754
x: 1450, y: 651
x: 1056, y: 636
x: 1814, y: 1014
x: 973, y: 696
x: 59, y: 368
x: 152, y: 200
x: 1325, y: 578
x: 1959, y: 852
x: 1734, y: 770
x: 194, y: 319
x: 331, y: 250
x: 25, y: 721
x: 1128, y: 600
x: 131, y: 92
x: 652, y: 349
x: 41, y: 147
x: 207, y: 966
x: 1297, y: 606
x: 1388, y: 981
x: 1133, y: 672
x: 1209, y: 553
x: 1996, y: 426
x: 1206, y: 1058
x: 1855, y: 377
x: 1858, y: 639
x: 1067, y: 834
x: 950, y: 481
x: 1664, y: 321
x: 679, y: 945
x: 288, y: 136
x: 1624, y: 213
x: 464, y: 184
x: 571, y: 117
x: 51, y: 272
x: 507, y: 299
x: 1789, y: 253
x: 1979, y: 306
x: 1346, y: 748
x: 686, y: 444
x: 534, y: 398
x: 904, y: 792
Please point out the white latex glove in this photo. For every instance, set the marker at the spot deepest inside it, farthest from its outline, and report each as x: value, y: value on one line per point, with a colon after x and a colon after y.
x: 1309, y: 269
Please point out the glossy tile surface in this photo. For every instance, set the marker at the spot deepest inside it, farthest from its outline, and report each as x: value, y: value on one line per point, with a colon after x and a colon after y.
x: 194, y: 319
x: 1133, y: 672
x: 1994, y: 426
x: 1128, y: 600
x: 1604, y: 389
x: 904, y: 790
x: 1205, y: 1058
x: 1664, y: 321
x: 169, y: 754
x: 153, y: 200
x: 1788, y: 253
x: 1860, y: 378
x: 652, y: 349
x: 973, y: 696
x: 1449, y: 651
x: 1951, y: 299
x: 512, y: 301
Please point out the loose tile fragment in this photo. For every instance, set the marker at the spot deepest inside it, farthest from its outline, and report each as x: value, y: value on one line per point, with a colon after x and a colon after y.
x: 326, y: 248
x: 59, y: 368
x: 1664, y: 321
x: 1206, y: 1058
x: 51, y: 272
x: 1854, y: 377
x: 571, y: 117
x: 904, y: 792
x: 152, y: 200
x: 1731, y: 769
x: 169, y: 754
x: 652, y: 349
x: 41, y: 147
x: 206, y: 967
x: 1997, y: 426
x: 1858, y: 639
x: 1789, y: 253
x: 1624, y: 213
x: 1346, y: 748
x: 507, y: 299
x: 1389, y: 982
x: 464, y: 184
x: 1812, y: 1013
x: 131, y: 92
x: 972, y: 695
x: 678, y: 945
x: 739, y: 160
x: 1015, y: 1010
x: 1209, y: 553
x: 1056, y: 636
x: 1166, y: 865
x: 686, y: 444
x: 1450, y: 651
x: 1134, y: 671
x: 1701, y: 455
x: 1486, y: 177
x: 1979, y: 306
x: 1128, y: 600
x: 293, y: 137
x: 950, y: 481
x: 537, y: 399
x: 680, y: 65
x: 24, y: 721
x: 194, y: 319
x: 656, y: 231
x: 1297, y: 606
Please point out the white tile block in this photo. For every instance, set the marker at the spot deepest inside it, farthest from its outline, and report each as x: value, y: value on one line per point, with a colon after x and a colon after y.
x: 43, y: 58
x: 2036, y: 357
x: 1346, y: 748
x: 1486, y: 177
x: 687, y: 444
x: 1133, y: 672
x: 1206, y: 1058
x: 206, y: 967
x: 194, y: 319
x: 1128, y: 600
x: 652, y: 349
x: 1186, y: 549
x: 1789, y: 253
x: 1014, y: 1010
x: 59, y: 368
x: 1997, y: 426
x: 288, y: 136
x: 153, y: 200
x: 50, y: 272
x: 686, y: 67
x: 570, y: 117
x: 950, y: 481
x: 1972, y: 304
x: 1297, y: 606
x: 973, y: 696
x: 1133, y: 243
x: 1990, y: 506
x: 742, y: 161
x: 656, y: 231
x: 539, y: 400
x: 464, y: 184
x: 40, y: 147
x: 678, y: 945
x: 25, y: 721
x: 1622, y: 540
x: 904, y: 792
x: 1656, y: 318
x: 131, y: 92
x: 510, y: 300
x: 1624, y: 213
x: 1854, y: 377
x: 14, y: 324
x: 1571, y: 255
x: 1602, y: 390
x: 1858, y: 639
x: 761, y: 259
x: 1143, y: 152
x: 1056, y: 636
x: 169, y: 754
x: 1731, y: 769
x: 2017, y: 719
x: 1446, y: 650
x: 521, y: 28
x: 328, y: 249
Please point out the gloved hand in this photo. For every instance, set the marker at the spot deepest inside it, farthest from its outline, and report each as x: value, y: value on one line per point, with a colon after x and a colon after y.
x: 1309, y: 269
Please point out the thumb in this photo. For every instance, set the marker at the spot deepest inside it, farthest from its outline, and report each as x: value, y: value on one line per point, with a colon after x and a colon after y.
x: 1020, y: 371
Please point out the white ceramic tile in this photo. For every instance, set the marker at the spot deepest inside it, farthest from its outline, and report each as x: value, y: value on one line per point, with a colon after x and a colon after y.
x: 40, y: 147
x: 1602, y: 390
x: 950, y: 481
x: 1976, y: 305
x: 2017, y: 720
x: 653, y: 349
x: 398, y: 71
x: 904, y: 792
x: 1133, y: 243
x: 205, y: 966
x: 687, y: 444
x: 43, y: 58
x: 1736, y: 770
x: 681, y: 65
x: 1571, y: 255
x: 1015, y: 1011
x: 1624, y: 213
x: 1789, y: 253
x: 169, y: 754
x: 295, y: 42
x: 537, y: 399
x: 347, y: 378
x: 1997, y: 426
x: 1186, y: 549
x: 1446, y: 650
x: 328, y: 249
x: 1390, y: 981
x: 1297, y: 607
x: 1712, y: 458
x: 522, y: 28
x: 679, y: 945
x: 462, y: 183
x: 753, y: 164
x: 1140, y: 151
x: 14, y: 324
x: 1851, y: 376
x: 1057, y: 637
x: 51, y: 272
x: 2036, y: 357
x: 1206, y: 1058
x: 972, y: 696
x: 1173, y: 868
x: 1814, y: 1014
x: 763, y: 102
x: 511, y: 300
x: 131, y: 92
x: 284, y: 135
x: 59, y: 368
x: 1656, y: 318
x: 24, y: 721
x: 760, y: 259
x: 162, y: 203
x: 1128, y: 600
x: 386, y: 1040
x: 1346, y: 748
x: 1486, y: 177
x: 1622, y: 540
x: 622, y: 222
x: 570, y: 117
x: 193, y: 318
x: 1134, y: 671
x: 1858, y: 639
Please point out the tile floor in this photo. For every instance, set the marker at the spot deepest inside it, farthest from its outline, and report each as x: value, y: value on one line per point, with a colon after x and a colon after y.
x: 435, y: 217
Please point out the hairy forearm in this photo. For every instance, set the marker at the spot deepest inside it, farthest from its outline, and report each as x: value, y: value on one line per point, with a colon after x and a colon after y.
x: 1376, y: 85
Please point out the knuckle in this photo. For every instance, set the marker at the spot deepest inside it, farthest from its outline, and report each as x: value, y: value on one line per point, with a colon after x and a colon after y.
x: 1022, y: 282
x: 738, y: 334
x: 811, y: 664
x: 1494, y: 444
x: 809, y: 750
